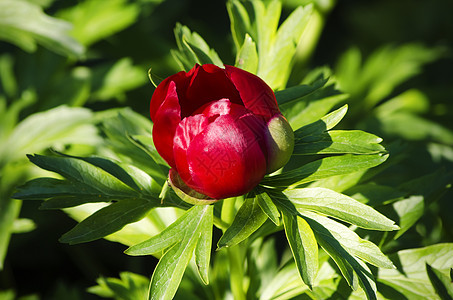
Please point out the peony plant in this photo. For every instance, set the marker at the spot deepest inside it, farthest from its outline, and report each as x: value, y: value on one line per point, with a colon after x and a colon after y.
x: 220, y: 130
x: 236, y: 161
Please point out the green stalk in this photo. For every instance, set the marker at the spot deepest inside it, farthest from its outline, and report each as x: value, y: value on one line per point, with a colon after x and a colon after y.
x: 235, y: 257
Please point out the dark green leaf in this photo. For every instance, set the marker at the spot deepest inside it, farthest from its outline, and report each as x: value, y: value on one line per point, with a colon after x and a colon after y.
x: 296, y: 93
x: 42, y: 188
x: 84, y: 172
x: 247, y: 220
x: 441, y: 283
x: 109, y: 220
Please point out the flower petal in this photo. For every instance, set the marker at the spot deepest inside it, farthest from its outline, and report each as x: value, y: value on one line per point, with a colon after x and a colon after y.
x: 256, y: 95
x: 227, y: 159
x: 166, y: 120
x: 161, y: 91
x: 207, y: 83
x: 186, y: 131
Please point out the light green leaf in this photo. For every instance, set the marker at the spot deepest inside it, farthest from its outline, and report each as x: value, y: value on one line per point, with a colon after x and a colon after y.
x: 247, y: 220
x: 112, y: 81
x: 240, y: 23
x: 247, y: 57
x: 339, y: 142
x: 108, y: 220
x: 332, y: 241
x: 303, y: 246
x: 193, y: 49
x: 203, y: 248
x: 25, y: 25
x: 411, y: 278
x: 324, y: 168
x: 339, y: 206
x: 9, y: 211
x: 351, y: 242
x: 129, y: 286
x: 268, y: 207
x: 58, y: 126
x: 96, y: 20
x: 171, y: 266
x: 325, y: 123
x: 275, y: 63
x: 409, y: 211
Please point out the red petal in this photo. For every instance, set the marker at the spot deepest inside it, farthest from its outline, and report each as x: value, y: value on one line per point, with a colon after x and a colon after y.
x: 161, y: 91
x: 185, y: 133
x: 256, y: 95
x: 207, y: 83
x: 227, y: 158
x: 166, y: 120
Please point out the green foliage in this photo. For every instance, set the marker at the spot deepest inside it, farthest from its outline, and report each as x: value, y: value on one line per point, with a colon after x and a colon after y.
x: 264, y: 47
x: 26, y: 25
x: 336, y: 203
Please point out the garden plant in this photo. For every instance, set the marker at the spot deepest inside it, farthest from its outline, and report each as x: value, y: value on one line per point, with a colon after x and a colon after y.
x: 233, y: 169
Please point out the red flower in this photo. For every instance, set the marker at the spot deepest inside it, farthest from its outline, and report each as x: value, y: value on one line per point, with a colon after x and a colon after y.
x: 212, y: 127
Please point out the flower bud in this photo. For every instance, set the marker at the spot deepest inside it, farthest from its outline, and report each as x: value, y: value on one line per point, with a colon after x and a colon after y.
x: 280, y: 143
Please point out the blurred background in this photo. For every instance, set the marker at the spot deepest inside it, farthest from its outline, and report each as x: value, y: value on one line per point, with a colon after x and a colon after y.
x: 393, y: 58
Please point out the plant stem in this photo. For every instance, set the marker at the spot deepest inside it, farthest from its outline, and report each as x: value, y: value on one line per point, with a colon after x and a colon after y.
x: 235, y: 258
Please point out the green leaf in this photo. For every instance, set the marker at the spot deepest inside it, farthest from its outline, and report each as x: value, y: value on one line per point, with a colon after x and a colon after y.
x: 409, y: 211
x: 247, y: 57
x: 94, y: 20
x: 411, y: 278
x: 339, y: 206
x: 275, y: 64
x: 339, y: 142
x: 322, y: 125
x: 25, y: 25
x: 351, y: 242
x: 297, y: 93
x: 240, y: 23
x: 324, y: 168
x: 442, y: 284
x: 58, y: 126
x: 192, y: 49
x: 9, y: 211
x: 171, y: 266
x: 268, y: 207
x: 45, y: 187
x: 336, y: 240
x: 165, y: 239
x: 129, y: 286
x: 84, y: 172
x: 247, y: 220
x: 109, y: 220
x: 203, y: 248
x: 303, y: 246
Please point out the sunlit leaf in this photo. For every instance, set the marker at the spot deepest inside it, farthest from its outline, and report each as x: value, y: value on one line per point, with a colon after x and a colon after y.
x: 303, y: 246
x: 25, y: 25
x: 339, y: 206
x: 247, y: 220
